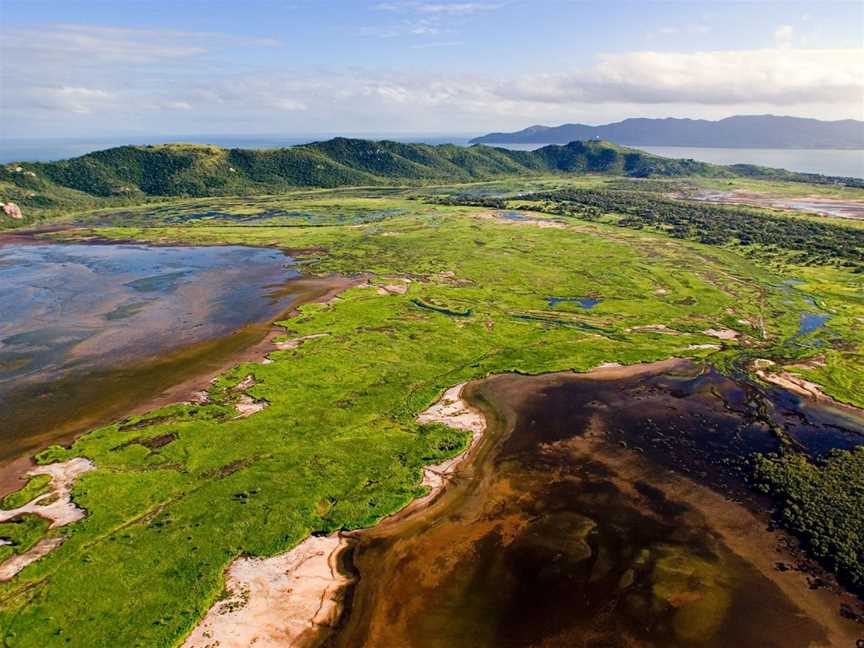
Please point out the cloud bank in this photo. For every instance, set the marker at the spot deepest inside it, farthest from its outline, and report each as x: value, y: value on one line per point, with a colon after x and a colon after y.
x: 103, y: 74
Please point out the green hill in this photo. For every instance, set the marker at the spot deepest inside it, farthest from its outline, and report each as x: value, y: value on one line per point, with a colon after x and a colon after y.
x: 132, y: 174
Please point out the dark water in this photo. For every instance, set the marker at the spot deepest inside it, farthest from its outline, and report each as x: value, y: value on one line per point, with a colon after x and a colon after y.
x: 441, y: 309
x: 74, y: 312
x: 513, y: 215
x: 574, y: 527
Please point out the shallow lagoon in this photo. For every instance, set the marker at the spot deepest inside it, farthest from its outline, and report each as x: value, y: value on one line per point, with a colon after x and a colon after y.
x: 72, y: 312
x: 596, y: 514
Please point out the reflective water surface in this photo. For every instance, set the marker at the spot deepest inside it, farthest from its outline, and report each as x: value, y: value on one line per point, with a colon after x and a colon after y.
x: 78, y: 315
x: 602, y: 511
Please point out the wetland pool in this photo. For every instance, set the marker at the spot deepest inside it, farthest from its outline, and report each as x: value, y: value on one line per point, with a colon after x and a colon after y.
x: 90, y: 329
x: 601, y: 509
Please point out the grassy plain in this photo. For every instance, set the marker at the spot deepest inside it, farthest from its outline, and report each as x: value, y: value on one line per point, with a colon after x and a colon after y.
x: 338, y: 446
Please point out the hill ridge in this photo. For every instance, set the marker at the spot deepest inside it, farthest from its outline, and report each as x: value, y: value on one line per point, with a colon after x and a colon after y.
x: 737, y: 131
x: 134, y: 173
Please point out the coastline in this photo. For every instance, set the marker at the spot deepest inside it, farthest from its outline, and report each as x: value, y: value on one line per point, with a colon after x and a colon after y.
x: 385, y: 551
x: 247, y: 579
x: 197, y: 364
x: 296, y: 598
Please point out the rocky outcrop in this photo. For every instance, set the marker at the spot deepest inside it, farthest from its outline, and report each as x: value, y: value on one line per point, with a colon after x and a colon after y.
x: 12, y: 211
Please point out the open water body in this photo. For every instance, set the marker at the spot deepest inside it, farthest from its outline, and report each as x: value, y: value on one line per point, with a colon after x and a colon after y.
x: 77, y: 314
x: 576, y: 524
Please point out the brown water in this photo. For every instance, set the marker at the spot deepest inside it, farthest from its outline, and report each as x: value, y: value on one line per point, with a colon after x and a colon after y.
x: 567, y: 528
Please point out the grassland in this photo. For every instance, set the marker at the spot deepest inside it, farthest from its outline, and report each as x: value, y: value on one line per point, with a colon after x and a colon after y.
x: 338, y: 446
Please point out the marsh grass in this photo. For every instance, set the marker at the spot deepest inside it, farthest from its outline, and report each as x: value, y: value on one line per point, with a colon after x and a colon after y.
x: 338, y: 446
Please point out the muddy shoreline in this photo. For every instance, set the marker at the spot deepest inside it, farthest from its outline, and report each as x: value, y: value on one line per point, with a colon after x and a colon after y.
x: 298, y: 597
x: 152, y: 383
x: 419, y: 582
x: 826, y: 206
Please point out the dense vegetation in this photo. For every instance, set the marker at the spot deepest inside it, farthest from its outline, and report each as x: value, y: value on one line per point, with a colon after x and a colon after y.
x: 338, y: 446
x: 130, y: 175
x: 200, y: 170
x: 824, y: 502
x: 811, y: 242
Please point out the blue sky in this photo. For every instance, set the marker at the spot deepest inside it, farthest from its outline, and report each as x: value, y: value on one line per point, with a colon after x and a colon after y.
x: 83, y: 68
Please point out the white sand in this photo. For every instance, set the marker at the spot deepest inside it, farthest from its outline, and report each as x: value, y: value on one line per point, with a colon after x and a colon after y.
x: 721, y: 334
x: 62, y: 510
x: 56, y: 505
x: 451, y: 410
x: 287, y: 599
x: 284, y: 345
x: 274, y: 602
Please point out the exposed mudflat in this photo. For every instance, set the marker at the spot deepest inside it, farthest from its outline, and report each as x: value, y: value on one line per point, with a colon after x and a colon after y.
x: 55, y: 505
x: 603, y: 509
x: 295, y: 598
x: 74, y: 314
x: 834, y: 207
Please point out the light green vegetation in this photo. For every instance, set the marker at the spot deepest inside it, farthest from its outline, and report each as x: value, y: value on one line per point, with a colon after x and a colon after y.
x: 338, y: 446
x: 20, y: 534
x: 35, y: 486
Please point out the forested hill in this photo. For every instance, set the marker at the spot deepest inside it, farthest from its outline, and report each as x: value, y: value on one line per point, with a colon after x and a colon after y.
x: 198, y: 170
x: 130, y: 174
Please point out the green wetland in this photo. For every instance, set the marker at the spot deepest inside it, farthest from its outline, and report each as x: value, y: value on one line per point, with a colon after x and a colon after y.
x: 73, y: 312
x: 646, y: 507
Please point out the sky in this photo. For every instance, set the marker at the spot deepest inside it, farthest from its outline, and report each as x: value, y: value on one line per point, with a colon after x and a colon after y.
x: 84, y: 68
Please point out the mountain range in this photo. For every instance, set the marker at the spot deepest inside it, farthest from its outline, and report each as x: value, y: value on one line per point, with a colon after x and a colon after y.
x: 741, y: 131
x: 132, y: 174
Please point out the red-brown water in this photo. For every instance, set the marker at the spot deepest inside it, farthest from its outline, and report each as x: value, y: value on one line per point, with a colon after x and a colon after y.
x: 575, y: 525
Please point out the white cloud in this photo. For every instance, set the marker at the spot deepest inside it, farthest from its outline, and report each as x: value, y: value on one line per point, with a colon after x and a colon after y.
x: 783, y: 36
x: 436, y: 44
x: 421, y: 27
x: 425, y: 18
x: 96, y: 75
x: 778, y: 77
x: 78, y: 100
x: 178, y: 105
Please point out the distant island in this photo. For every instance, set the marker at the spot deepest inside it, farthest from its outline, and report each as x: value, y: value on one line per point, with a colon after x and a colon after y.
x: 740, y: 131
